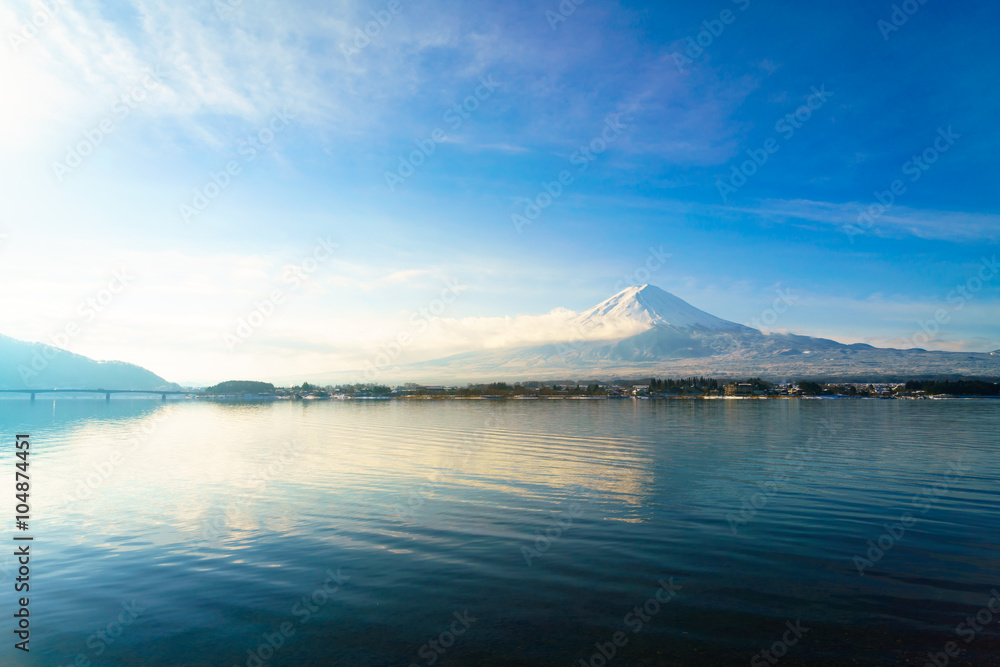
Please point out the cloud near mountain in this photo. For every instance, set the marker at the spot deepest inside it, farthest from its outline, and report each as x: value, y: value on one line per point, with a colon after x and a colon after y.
x: 557, y: 325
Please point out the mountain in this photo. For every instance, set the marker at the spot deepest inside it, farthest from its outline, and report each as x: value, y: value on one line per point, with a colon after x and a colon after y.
x: 646, y: 331
x: 37, y: 366
x: 649, y: 306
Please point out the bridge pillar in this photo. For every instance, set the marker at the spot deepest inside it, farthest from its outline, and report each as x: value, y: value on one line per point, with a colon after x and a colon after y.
x: 107, y: 396
x: 32, y: 396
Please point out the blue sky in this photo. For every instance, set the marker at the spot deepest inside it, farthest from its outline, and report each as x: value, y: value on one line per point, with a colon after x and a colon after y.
x: 333, y: 114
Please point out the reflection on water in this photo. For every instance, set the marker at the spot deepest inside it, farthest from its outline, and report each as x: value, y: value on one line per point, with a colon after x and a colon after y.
x: 369, y: 528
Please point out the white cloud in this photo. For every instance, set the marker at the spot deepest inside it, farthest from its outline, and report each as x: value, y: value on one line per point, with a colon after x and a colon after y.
x: 242, y: 67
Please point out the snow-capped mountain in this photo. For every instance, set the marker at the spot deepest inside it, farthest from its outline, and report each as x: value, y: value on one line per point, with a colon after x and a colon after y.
x: 646, y: 331
x: 648, y: 306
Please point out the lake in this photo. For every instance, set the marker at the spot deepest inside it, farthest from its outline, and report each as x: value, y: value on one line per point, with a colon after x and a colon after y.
x: 682, y: 532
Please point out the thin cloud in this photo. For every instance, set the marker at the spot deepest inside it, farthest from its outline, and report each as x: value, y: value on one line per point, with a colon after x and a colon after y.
x: 895, y: 222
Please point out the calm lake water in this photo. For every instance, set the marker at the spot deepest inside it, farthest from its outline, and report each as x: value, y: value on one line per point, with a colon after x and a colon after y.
x: 506, y: 532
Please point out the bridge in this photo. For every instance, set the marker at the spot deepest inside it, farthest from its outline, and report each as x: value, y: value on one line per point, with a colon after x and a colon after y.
x: 107, y: 392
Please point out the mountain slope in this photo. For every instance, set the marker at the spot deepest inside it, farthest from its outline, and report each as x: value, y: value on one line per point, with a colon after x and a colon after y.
x: 650, y: 306
x: 659, y: 353
x: 645, y: 331
x: 37, y: 366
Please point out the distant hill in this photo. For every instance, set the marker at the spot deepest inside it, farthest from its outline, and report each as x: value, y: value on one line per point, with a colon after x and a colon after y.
x: 38, y: 366
x: 239, y: 387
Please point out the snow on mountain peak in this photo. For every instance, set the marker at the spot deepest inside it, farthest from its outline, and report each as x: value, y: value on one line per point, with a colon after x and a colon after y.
x: 649, y: 306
